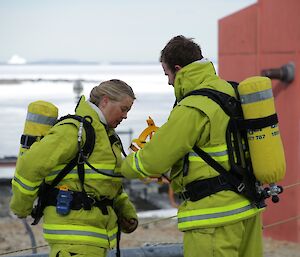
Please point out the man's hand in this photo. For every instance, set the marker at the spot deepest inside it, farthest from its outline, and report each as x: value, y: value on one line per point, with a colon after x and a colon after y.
x: 159, y: 180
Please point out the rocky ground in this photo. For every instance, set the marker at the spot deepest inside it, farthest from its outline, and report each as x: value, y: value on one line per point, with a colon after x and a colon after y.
x: 13, y: 236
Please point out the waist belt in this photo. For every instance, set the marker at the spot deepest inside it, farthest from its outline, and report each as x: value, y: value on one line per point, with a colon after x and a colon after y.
x: 81, y: 201
x: 199, y: 189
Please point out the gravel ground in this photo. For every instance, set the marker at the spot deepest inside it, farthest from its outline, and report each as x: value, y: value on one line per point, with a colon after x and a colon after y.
x: 13, y: 236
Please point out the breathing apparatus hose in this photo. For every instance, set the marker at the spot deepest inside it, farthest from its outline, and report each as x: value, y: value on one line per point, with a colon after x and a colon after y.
x: 82, y: 157
x: 31, y: 235
x: 101, y: 171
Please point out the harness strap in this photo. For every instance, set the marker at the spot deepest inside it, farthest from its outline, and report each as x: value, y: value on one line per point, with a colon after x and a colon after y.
x: 80, y: 171
x: 70, y: 166
x: 80, y: 201
x: 199, y: 189
x: 83, y: 152
x: 259, y: 123
x: 186, y: 165
x: 115, y: 138
x: 239, y: 179
x: 231, y: 178
x: 26, y: 140
x: 88, y: 147
x: 229, y: 104
x: 118, y: 250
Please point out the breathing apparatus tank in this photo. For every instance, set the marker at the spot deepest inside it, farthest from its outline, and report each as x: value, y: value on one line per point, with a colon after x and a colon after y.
x: 41, y: 116
x: 265, y: 145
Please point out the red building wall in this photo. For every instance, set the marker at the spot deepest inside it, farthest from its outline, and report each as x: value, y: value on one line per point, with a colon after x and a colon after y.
x: 262, y: 36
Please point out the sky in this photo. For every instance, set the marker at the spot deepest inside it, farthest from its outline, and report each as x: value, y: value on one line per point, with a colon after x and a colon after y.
x: 108, y: 31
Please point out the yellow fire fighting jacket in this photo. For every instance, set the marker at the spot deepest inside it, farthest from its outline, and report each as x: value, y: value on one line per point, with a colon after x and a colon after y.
x: 46, y: 158
x: 195, y: 120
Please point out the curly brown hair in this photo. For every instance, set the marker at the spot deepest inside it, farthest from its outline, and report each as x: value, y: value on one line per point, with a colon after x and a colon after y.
x: 180, y: 51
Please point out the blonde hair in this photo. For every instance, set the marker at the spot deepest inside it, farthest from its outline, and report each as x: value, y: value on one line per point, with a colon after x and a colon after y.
x: 115, y: 89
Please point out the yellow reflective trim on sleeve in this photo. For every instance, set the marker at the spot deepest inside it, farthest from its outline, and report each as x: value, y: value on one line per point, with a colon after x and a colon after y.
x: 134, y: 164
x: 28, y: 182
x: 23, y: 189
x: 140, y: 163
x: 138, y: 166
x: 25, y: 186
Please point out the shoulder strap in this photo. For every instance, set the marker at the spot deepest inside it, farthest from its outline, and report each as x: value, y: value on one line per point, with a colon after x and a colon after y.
x: 229, y: 104
x: 115, y: 138
x: 87, y: 148
x: 89, y: 144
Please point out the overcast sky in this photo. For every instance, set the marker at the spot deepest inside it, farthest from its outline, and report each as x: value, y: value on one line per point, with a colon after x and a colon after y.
x: 108, y: 31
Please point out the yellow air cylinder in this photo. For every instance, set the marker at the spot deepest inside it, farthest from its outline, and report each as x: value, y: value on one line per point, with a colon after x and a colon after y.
x: 265, y: 145
x: 41, y: 116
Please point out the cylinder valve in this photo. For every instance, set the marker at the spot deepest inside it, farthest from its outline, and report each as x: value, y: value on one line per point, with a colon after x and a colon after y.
x: 285, y: 73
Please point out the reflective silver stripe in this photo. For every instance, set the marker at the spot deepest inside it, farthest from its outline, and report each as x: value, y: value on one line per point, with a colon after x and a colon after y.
x: 112, y: 237
x: 41, y: 119
x: 75, y: 232
x: 215, y: 215
x: 213, y: 154
x: 256, y: 97
x: 29, y: 188
x: 87, y: 171
x: 136, y: 160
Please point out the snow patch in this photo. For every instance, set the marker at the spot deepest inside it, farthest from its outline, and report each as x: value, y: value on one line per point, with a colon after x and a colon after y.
x: 161, y: 213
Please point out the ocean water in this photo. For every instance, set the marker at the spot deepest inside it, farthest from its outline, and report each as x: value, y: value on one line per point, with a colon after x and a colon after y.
x: 154, y: 95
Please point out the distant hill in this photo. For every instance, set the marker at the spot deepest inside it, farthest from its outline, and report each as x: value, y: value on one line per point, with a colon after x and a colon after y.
x: 61, y: 61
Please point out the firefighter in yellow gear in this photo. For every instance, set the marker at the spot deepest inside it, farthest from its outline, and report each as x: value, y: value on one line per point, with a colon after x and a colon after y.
x: 225, y: 223
x: 81, y: 232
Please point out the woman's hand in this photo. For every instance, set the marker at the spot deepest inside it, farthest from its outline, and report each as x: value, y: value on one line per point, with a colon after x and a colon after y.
x: 128, y: 225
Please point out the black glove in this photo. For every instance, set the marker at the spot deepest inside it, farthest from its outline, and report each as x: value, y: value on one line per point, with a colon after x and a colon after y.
x: 128, y: 225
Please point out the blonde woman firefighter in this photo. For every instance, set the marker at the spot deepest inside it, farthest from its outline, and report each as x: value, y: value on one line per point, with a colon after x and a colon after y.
x: 82, y: 212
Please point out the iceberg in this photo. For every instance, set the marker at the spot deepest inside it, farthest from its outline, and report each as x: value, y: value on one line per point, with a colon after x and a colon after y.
x: 16, y: 59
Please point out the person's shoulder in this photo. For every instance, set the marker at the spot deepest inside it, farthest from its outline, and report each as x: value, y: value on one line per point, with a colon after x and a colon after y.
x: 188, y: 113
